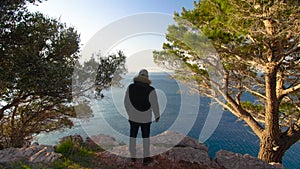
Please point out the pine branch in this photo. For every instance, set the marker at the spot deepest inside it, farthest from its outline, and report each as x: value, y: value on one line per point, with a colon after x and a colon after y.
x: 290, y: 90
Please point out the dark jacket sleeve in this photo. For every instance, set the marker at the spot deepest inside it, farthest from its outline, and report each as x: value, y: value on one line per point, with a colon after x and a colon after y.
x: 154, y: 103
x: 127, y: 101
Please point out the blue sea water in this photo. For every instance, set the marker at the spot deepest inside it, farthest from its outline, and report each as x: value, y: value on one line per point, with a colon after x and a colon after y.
x: 183, y: 112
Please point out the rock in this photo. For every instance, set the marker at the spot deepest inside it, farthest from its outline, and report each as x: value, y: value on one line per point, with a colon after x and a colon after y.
x: 123, y: 151
x: 35, y: 144
x: 74, y: 138
x: 173, y: 149
x: 171, y: 146
x: 27, y: 152
x: 102, y: 140
x: 182, y: 148
x: 230, y: 160
x: 190, y: 142
x: 277, y: 165
x: 35, y: 154
x: 90, y: 143
x: 188, y: 154
x: 10, y: 155
x: 170, y: 139
x: 167, y: 139
x: 45, y: 155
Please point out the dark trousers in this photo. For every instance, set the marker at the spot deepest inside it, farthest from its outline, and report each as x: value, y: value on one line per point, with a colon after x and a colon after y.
x: 134, y: 129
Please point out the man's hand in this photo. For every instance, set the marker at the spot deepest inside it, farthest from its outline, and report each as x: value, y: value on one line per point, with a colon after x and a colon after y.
x: 157, y: 119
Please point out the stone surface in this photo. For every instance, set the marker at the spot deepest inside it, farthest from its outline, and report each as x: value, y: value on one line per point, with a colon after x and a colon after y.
x: 124, y: 150
x: 45, y: 155
x: 169, y: 149
x: 75, y: 138
x: 178, y: 148
x: 176, y: 139
x: 171, y: 146
x: 10, y: 155
x: 34, y: 153
x: 230, y: 160
x: 188, y: 154
x: 277, y: 165
x: 102, y: 140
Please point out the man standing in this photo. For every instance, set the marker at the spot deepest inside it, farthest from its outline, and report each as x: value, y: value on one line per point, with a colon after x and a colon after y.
x: 140, y: 101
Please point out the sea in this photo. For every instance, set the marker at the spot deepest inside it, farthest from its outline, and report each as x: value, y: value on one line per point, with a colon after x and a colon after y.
x: 181, y: 110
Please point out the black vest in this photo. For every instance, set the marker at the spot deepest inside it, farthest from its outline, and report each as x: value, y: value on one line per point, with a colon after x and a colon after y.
x: 139, y: 95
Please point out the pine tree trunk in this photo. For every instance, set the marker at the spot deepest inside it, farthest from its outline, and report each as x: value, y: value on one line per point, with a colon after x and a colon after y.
x: 270, y: 151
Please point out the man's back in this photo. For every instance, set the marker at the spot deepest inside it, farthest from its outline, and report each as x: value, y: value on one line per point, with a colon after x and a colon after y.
x: 140, y: 102
x: 141, y: 99
x: 139, y: 95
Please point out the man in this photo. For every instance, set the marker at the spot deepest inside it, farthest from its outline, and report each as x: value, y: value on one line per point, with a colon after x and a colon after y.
x: 140, y: 101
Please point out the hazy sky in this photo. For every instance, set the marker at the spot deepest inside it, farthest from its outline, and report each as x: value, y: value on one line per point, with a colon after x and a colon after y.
x: 92, y: 17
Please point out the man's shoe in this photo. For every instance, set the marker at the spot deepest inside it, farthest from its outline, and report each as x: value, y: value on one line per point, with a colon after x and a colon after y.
x: 133, y: 160
x: 147, y: 160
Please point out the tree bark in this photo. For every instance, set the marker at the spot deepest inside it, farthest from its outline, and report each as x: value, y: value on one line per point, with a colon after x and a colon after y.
x: 270, y: 151
x: 270, y: 140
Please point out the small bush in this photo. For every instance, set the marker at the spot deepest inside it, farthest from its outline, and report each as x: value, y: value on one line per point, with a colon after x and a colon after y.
x: 74, y: 155
x: 67, y: 147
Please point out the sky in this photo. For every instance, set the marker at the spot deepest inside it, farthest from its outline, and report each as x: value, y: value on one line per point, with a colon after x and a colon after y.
x: 134, y: 26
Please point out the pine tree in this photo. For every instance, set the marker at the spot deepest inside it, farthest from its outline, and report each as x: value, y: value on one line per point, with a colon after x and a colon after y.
x: 257, y: 43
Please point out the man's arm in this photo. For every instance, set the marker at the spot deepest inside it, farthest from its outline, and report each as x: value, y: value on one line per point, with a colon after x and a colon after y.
x: 154, y: 105
x: 127, y: 101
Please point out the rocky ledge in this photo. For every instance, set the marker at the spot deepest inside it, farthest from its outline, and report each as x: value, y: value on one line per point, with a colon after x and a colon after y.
x: 34, y: 154
x: 169, y: 147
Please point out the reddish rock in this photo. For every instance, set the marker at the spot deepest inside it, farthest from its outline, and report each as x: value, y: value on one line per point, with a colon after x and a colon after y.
x: 230, y: 160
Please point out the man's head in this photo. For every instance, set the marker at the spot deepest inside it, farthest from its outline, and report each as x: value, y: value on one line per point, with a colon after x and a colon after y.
x: 143, y: 76
x: 143, y: 73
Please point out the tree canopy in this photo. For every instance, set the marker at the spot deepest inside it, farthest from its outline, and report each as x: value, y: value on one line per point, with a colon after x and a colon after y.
x: 256, y: 53
x: 37, y: 58
x: 40, y: 74
x: 109, y: 71
x: 93, y: 76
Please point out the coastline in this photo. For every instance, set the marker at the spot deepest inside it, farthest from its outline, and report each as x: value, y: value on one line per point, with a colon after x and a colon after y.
x: 170, y: 149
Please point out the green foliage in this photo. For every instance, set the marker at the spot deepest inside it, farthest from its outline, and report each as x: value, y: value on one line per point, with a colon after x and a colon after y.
x: 237, y: 32
x: 254, y: 108
x: 75, y: 155
x: 37, y: 59
x: 70, y: 147
x: 98, y: 73
x: 67, y: 164
x: 109, y: 71
x: 285, y: 108
x: 67, y: 147
x: 232, y: 48
x: 93, y: 76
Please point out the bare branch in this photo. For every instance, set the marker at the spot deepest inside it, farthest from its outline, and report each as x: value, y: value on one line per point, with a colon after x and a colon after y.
x: 255, y: 61
x: 290, y: 90
x: 243, y: 114
x: 294, y: 49
x: 239, y: 94
x: 293, y: 133
x: 255, y: 93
